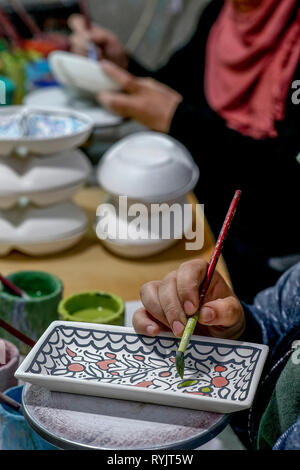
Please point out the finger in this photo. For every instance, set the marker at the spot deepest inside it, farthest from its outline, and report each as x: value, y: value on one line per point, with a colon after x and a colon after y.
x: 226, y: 312
x: 189, y: 278
x: 150, y: 299
x: 126, y: 80
x: 78, y: 45
x: 144, y: 324
x: 77, y: 23
x: 169, y: 301
x: 120, y: 103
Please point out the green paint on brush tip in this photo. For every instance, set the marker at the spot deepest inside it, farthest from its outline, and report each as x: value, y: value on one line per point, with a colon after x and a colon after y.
x: 180, y: 363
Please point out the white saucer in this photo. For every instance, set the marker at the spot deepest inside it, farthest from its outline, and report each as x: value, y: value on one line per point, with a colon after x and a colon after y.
x: 64, y: 98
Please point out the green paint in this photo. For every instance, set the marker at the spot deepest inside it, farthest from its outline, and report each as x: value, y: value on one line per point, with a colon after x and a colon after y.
x: 93, y: 307
x: 206, y: 389
x: 93, y: 315
x: 187, y: 383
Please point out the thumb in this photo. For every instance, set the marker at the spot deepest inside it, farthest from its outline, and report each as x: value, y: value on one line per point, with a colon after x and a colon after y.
x: 77, y: 24
x: 221, y: 312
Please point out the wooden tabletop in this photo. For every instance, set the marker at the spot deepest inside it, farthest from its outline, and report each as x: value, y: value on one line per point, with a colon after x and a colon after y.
x: 90, y: 266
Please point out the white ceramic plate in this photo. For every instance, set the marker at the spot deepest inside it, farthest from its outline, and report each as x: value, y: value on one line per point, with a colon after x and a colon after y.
x: 41, y: 130
x: 63, y: 98
x: 43, y: 181
x: 40, y: 231
x: 148, y: 166
x: 79, y: 72
x: 115, y: 362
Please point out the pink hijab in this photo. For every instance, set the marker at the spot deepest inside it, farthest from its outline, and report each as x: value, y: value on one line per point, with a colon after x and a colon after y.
x: 251, y: 59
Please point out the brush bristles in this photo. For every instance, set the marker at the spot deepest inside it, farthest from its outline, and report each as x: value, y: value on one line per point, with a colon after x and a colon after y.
x: 180, y: 363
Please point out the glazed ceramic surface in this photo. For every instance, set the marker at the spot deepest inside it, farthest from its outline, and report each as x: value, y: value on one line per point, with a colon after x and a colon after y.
x: 80, y: 72
x: 70, y: 99
x: 148, y: 166
x: 41, y: 130
x: 38, y: 231
x: 43, y: 181
x: 115, y: 362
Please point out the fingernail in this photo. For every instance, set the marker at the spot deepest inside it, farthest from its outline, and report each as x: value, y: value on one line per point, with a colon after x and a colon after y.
x: 206, y: 315
x: 178, y: 328
x: 150, y: 330
x: 189, y: 307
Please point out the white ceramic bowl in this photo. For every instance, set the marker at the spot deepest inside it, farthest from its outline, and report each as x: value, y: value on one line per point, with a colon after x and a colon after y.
x: 44, y: 181
x: 149, y: 167
x: 65, y: 98
x: 37, y: 231
x: 140, y: 243
x: 79, y: 72
x: 39, y: 130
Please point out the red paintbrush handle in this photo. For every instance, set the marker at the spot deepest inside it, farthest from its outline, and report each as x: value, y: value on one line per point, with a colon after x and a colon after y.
x: 16, y: 333
x: 11, y: 286
x: 219, y: 245
x: 9, y: 28
x: 85, y: 12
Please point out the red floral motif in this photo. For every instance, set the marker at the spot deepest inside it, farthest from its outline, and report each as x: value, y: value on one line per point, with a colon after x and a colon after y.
x: 219, y: 382
x: 145, y: 384
x: 104, y: 365
x: 70, y: 353
x: 139, y: 358
x: 220, y: 368
x: 75, y: 367
x: 165, y: 374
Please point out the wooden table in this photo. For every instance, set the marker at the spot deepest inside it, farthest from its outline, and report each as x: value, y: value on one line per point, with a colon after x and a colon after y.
x: 89, y: 265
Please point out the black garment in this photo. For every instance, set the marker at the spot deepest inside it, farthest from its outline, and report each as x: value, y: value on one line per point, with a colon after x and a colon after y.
x: 267, y: 171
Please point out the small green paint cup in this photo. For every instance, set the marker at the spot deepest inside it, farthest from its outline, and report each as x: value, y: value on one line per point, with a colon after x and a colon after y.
x: 31, y: 315
x: 93, y: 307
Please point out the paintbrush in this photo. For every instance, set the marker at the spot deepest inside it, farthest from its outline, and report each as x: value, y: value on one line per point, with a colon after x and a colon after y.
x: 10, y: 402
x: 13, y: 331
x: 192, y: 321
x: 13, y: 288
x: 93, y: 50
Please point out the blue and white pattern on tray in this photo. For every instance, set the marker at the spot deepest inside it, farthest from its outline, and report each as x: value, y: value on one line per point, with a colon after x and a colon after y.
x: 215, y: 370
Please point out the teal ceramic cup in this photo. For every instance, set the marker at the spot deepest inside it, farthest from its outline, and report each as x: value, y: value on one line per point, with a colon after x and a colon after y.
x: 93, y: 307
x: 34, y: 314
x: 15, y: 433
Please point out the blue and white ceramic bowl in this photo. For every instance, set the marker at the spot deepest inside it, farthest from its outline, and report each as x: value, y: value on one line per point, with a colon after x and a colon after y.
x: 41, y: 131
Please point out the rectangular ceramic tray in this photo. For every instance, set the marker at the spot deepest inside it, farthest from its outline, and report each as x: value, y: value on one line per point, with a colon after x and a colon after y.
x: 115, y: 362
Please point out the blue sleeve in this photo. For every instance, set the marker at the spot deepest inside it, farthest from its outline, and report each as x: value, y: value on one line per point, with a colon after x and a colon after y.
x: 290, y: 439
x: 276, y: 311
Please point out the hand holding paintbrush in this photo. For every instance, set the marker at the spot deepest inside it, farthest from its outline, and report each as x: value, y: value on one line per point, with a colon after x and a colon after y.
x: 192, y: 322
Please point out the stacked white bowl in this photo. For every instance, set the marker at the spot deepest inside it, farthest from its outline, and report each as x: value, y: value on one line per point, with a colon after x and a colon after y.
x: 151, y: 169
x: 41, y: 168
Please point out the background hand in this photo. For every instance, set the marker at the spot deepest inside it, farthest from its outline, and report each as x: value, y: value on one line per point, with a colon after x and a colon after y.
x: 110, y: 46
x: 169, y: 302
x: 142, y: 99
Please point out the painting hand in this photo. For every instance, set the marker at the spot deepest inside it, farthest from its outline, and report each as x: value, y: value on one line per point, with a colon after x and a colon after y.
x: 109, y: 45
x: 169, y: 302
x: 142, y: 99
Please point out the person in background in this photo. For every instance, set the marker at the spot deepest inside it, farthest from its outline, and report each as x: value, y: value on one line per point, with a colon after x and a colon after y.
x: 229, y: 97
x: 273, y: 422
